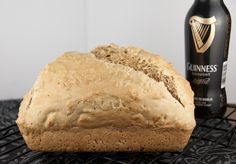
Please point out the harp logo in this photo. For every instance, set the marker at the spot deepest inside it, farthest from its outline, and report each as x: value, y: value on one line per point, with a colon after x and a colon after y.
x: 203, y: 31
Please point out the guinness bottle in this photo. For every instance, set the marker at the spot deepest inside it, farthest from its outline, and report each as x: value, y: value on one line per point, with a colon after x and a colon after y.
x: 207, y: 34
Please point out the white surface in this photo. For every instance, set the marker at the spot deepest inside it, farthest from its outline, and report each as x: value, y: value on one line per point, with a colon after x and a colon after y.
x: 33, y: 33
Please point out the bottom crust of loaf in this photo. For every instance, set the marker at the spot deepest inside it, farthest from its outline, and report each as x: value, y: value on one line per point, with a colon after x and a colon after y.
x: 101, y: 140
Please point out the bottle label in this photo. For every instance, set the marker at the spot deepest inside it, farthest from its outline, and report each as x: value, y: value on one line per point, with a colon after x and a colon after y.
x: 205, y: 69
x: 223, y: 78
x: 201, y: 74
x: 203, y: 101
x: 203, y: 31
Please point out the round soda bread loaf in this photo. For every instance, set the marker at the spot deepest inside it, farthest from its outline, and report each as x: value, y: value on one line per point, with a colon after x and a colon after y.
x: 112, y: 99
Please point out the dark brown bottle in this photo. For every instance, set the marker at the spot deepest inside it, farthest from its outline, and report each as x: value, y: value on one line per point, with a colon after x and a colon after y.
x: 207, y: 35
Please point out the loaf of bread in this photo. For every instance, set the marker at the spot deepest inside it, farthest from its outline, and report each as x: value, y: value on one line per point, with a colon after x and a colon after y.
x: 112, y: 99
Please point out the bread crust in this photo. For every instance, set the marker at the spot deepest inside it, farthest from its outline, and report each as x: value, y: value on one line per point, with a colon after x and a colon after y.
x: 81, y: 103
x: 107, y: 139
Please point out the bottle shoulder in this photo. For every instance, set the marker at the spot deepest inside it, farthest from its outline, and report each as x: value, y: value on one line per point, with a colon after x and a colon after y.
x: 226, y: 10
x: 190, y: 13
x: 204, y: 11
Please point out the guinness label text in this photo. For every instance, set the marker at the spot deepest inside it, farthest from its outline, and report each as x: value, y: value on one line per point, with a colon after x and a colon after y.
x: 202, y: 68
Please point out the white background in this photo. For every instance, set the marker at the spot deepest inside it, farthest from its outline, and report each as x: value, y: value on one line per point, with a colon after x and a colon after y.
x: 34, y: 32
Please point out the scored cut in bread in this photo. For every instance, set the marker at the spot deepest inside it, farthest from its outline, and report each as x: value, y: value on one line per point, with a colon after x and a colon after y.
x: 153, y: 66
x: 92, y: 102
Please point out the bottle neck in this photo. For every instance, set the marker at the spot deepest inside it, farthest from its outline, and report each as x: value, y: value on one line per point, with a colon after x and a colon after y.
x: 209, y: 1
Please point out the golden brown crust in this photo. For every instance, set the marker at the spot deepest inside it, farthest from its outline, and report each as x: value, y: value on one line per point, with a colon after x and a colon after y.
x: 78, y: 90
x: 107, y: 139
x: 81, y: 103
